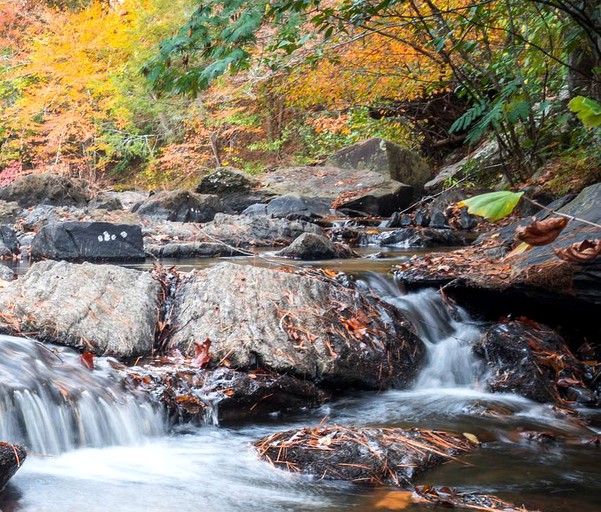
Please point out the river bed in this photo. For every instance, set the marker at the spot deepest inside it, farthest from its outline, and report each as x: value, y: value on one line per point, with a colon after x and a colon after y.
x: 215, y: 468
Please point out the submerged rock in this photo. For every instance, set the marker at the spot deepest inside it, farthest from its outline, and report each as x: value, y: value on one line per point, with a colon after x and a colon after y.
x: 310, y: 246
x: 91, y: 241
x: 383, y: 456
x: 302, y: 325
x: 533, y: 361
x: 47, y: 189
x: 12, y: 457
x: 104, y: 309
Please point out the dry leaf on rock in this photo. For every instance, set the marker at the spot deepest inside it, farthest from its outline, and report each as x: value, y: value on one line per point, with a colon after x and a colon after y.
x: 580, y: 252
x: 541, y: 232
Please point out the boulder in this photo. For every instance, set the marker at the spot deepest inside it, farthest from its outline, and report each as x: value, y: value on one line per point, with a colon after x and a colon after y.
x: 222, y: 395
x: 6, y: 273
x: 12, y: 457
x: 485, y: 157
x: 91, y: 241
x: 292, y: 206
x: 181, y: 206
x: 106, y: 201
x: 226, y: 180
x: 257, y: 231
x: 36, y: 189
x: 382, y: 456
x: 533, y: 361
x: 9, y: 244
x: 302, y: 325
x: 236, y: 189
x: 364, y: 191
x: 105, y: 309
x: 9, y: 211
x: 310, y: 246
x: 386, y: 158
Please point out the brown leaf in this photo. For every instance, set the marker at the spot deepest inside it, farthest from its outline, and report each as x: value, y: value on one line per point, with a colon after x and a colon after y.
x: 580, y: 252
x: 395, y: 500
x: 87, y: 358
x: 202, y: 353
x: 541, y: 232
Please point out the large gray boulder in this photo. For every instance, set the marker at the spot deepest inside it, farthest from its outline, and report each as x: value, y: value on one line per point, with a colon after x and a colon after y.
x: 104, y: 309
x: 35, y: 189
x: 364, y: 191
x: 385, y: 157
x: 89, y: 241
x: 236, y: 189
x: 310, y: 246
x: 182, y: 206
x: 303, y: 325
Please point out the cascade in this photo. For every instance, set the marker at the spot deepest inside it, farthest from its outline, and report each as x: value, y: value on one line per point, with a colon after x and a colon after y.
x: 51, y: 402
x: 448, y: 335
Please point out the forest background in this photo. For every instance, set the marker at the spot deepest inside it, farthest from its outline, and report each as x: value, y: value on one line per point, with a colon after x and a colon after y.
x: 151, y: 93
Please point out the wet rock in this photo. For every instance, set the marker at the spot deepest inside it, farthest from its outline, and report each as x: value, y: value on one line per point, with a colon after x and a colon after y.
x: 414, y: 237
x: 91, y: 241
x: 421, y: 218
x: 387, y: 158
x: 12, y: 457
x: 9, y: 244
x: 181, y: 206
x: 258, y: 231
x: 399, y: 220
x: 438, y: 220
x: 310, y: 246
x: 104, y: 309
x: 293, y: 206
x: 383, y: 456
x: 302, y: 325
x: 223, y: 395
x: 531, y: 360
x: 256, y: 209
x: 36, y: 189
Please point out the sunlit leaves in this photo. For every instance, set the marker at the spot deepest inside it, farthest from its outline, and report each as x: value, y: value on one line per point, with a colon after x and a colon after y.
x: 492, y: 206
x: 587, y: 110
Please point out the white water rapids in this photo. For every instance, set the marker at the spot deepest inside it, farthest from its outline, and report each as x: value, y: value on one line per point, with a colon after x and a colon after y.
x: 95, y: 448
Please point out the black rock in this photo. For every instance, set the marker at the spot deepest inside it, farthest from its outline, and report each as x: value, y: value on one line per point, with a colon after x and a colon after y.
x: 89, y: 241
x: 438, y: 220
x: 9, y: 244
x: 11, y: 459
x: 399, y: 220
x: 421, y: 218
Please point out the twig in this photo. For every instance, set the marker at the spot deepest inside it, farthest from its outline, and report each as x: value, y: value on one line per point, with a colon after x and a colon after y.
x: 554, y: 212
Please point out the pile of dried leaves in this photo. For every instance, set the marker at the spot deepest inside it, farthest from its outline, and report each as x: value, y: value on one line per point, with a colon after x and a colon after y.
x: 381, y: 456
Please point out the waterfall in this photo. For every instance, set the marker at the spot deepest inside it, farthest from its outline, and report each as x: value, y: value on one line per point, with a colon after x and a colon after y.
x: 51, y: 402
x: 448, y: 335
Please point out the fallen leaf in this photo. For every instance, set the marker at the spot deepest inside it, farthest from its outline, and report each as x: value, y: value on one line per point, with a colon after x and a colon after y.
x: 87, y: 358
x: 541, y: 232
x: 471, y: 437
x: 395, y: 500
x: 202, y: 355
x: 580, y: 252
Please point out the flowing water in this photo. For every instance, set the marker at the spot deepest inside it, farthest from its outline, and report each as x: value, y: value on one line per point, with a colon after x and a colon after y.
x: 96, y: 449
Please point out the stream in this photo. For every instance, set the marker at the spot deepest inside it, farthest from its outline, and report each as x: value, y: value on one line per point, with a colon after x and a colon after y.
x: 93, y: 448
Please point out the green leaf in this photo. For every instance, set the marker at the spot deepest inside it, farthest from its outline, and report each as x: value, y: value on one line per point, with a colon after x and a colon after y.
x: 492, y: 206
x: 587, y: 110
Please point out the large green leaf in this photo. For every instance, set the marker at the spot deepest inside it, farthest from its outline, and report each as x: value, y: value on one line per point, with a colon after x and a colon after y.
x: 587, y: 110
x: 492, y: 206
